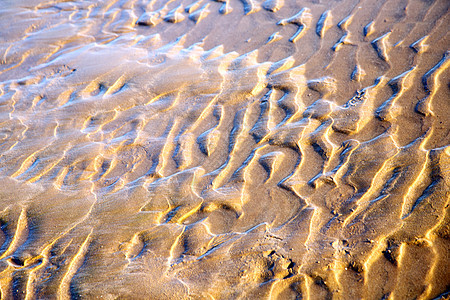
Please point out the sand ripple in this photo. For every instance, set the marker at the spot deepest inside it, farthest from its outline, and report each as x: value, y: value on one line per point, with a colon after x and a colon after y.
x: 224, y: 149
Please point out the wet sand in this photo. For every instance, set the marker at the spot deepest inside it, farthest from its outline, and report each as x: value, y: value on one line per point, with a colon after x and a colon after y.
x: 232, y: 149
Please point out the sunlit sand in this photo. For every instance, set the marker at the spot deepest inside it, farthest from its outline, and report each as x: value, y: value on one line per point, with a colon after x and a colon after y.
x: 232, y: 149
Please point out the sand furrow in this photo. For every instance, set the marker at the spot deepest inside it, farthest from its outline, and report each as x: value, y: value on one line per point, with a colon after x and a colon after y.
x: 224, y: 149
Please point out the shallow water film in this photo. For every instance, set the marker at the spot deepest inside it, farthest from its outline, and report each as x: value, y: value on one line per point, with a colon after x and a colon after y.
x: 228, y: 149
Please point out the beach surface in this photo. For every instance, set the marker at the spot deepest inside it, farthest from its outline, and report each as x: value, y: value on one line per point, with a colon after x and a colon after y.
x: 228, y: 149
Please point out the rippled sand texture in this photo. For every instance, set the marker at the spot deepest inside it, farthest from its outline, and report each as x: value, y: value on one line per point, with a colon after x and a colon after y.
x: 232, y: 149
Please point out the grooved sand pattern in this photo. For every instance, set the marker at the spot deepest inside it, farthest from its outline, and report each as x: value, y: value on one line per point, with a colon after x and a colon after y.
x: 232, y: 149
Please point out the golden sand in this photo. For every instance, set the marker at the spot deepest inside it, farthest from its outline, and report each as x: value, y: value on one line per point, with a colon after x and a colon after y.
x: 232, y: 149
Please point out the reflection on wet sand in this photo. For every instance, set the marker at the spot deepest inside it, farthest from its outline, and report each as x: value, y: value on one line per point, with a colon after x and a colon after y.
x: 224, y: 149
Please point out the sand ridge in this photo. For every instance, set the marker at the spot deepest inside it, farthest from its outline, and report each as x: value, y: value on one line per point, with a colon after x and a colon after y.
x: 233, y: 149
